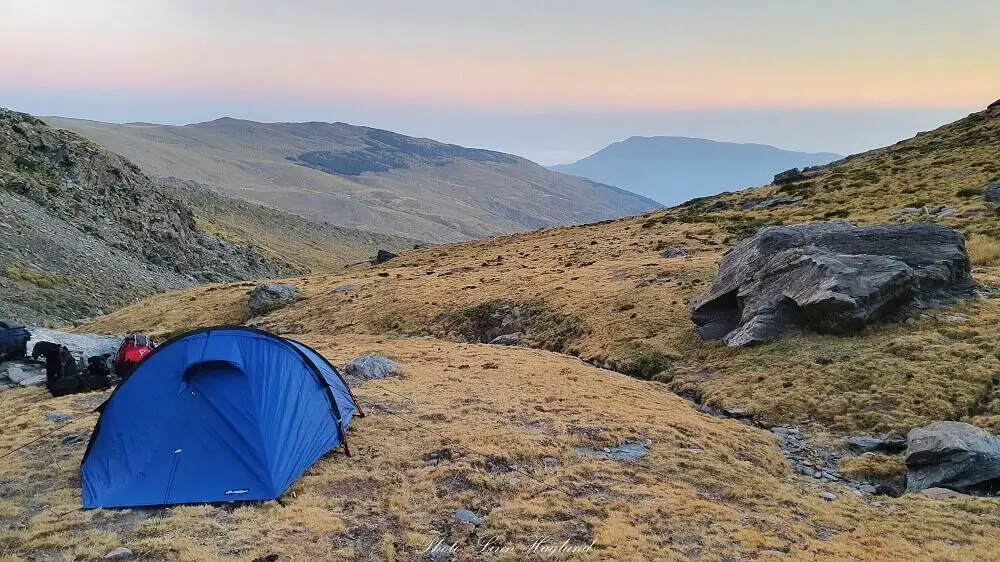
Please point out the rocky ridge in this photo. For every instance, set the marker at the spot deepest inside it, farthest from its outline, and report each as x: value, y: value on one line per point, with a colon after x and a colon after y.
x: 87, y: 231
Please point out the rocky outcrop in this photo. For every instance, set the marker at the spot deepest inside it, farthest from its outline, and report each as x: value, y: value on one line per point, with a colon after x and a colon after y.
x: 85, y: 230
x: 830, y: 278
x: 789, y: 176
x: 270, y: 297
x: 953, y: 455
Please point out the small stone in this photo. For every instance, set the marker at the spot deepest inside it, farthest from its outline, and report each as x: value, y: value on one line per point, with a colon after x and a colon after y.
x: 607, y: 450
x: 118, y: 554
x: 868, y: 488
x: 490, y: 365
x: 73, y: 440
x: 507, y: 339
x: 674, y: 253
x: 829, y: 496
x: 37, y: 380
x: 56, y: 417
x: 954, y: 318
x: 466, y: 516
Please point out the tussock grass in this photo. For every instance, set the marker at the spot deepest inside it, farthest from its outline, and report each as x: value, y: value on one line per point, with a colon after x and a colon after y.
x: 983, y: 250
x: 874, y: 467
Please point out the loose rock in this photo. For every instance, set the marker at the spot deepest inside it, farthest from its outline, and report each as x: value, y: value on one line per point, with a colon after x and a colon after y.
x: 270, y: 297
x: 507, y: 339
x: 371, y: 367
x: 466, y: 516
x: 118, y: 554
x: 674, y: 253
x: 829, y: 496
x: 628, y: 451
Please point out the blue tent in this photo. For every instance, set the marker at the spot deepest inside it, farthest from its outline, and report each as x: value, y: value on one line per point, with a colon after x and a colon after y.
x: 216, y: 415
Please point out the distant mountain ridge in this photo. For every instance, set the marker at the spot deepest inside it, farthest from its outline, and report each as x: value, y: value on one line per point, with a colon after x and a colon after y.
x: 367, y: 178
x: 674, y: 169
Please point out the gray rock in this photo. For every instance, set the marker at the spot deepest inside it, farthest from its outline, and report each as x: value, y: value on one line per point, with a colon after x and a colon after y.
x: 908, y: 211
x: 953, y: 455
x: 947, y: 212
x: 829, y: 496
x: 270, y: 297
x: 119, y: 553
x: 57, y: 417
x: 466, y: 516
x: 16, y: 373
x: 868, y: 488
x: 789, y: 176
x: 991, y: 194
x: 73, y: 440
x: 628, y: 451
x: 37, y: 380
x: 349, y: 288
x: 674, y: 253
x: 371, y: 367
x: 507, y: 339
x: 831, y: 278
x: 383, y: 256
x: 954, y: 318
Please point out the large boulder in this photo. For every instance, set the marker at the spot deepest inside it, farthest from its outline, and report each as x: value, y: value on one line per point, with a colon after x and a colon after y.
x: 953, y: 455
x: 270, y: 297
x: 830, y: 278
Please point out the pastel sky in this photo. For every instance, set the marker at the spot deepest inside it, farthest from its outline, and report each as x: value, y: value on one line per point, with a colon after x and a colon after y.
x: 550, y: 79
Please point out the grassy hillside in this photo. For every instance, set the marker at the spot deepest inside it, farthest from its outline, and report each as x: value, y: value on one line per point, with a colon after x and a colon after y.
x: 310, y: 246
x: 366, y: 178
x: 494, y: 429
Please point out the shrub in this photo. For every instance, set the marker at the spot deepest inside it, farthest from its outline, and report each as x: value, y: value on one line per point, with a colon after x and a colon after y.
x: 970, y: 192
x: 874, y: 467
x: 36, y: 278
x: 837, y: 214
x: 644, y: 362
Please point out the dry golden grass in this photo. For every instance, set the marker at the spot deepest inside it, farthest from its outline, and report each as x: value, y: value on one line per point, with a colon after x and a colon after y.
x: 874, y: 467
x: 983, y: 250
x: 621, y: 295
x: 609, y: 295
x: 734, y: 498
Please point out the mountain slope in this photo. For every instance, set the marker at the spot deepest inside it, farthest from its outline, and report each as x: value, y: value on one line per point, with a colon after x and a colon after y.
x: 84, y: 231
x: 606, y: 293
x: 365, y: 178
x: 499, y: 430
x: 308, y: 245
x: 675, y: 169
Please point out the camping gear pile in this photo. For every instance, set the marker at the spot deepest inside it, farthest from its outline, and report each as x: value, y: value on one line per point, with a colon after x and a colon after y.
x: 216, y: 415
x: 63, y: 373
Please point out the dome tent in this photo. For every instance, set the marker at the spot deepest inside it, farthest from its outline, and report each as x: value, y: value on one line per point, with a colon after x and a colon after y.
x: 216, y: 415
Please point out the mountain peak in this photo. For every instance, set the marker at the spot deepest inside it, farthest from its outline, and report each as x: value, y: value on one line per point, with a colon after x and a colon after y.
x: 672, y: 169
